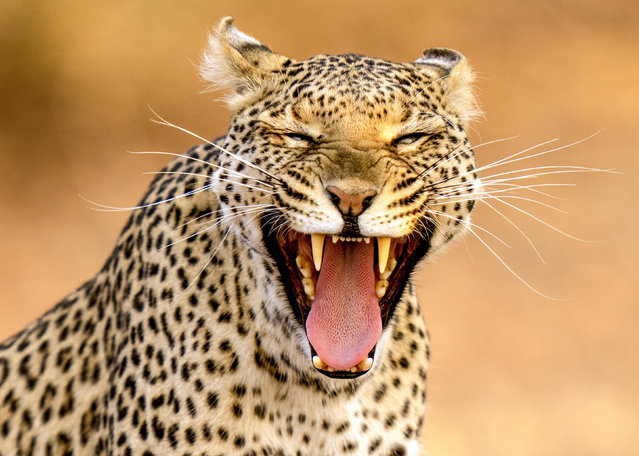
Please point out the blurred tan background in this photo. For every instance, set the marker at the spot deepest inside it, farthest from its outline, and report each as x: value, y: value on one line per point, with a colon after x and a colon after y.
x: 513, y: 373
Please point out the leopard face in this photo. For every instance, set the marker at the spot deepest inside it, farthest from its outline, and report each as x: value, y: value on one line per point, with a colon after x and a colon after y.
x: 344, y: 171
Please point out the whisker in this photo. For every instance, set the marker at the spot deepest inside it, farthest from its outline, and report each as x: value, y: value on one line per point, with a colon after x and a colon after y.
x: 447, y: 158
x: 426, y: 87
x: 560, y: 169
x: 511, y: 270
x: 482, y: 196
x: 505, y: 160
x: 508, y: 160
x: 210, y: 259
x: 532, y: 187
x: 211, y: 224
x: 530, y: 242
x: 209, y: 177
x: 206, y: 176
x: 261, y: 206
x: 494, y: 236
x: 165, y: 122
x: 215, y: 165
x: 543, y: 222
x: 105, y: 208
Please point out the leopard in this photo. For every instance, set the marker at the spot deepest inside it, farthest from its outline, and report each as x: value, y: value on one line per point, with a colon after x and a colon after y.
x: 260, y: 298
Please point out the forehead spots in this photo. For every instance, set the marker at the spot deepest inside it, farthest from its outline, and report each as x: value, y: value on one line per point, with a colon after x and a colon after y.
x: 327, y: 79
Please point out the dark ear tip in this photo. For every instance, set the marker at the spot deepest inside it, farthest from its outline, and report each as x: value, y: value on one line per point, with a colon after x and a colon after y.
x: 225, y: 24
x: 227, y: 21
x: 443, y: 58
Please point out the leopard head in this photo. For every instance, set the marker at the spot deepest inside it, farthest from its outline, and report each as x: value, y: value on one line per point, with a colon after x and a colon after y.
x: 345, y: 171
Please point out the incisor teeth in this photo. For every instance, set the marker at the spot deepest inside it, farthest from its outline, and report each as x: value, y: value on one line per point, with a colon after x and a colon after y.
x: 317, y: 245
x: 380, y: 288
x: 365, y: 364
x: 303, y: 266
x: 383, y: 249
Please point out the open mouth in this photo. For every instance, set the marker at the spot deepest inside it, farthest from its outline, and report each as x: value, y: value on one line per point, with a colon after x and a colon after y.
x: 343, y: 290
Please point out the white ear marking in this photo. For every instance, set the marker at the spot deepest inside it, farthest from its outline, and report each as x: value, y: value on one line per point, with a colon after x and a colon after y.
x: 237, y: 61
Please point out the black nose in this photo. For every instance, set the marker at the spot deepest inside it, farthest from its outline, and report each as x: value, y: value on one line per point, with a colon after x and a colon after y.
x: 350, y: 204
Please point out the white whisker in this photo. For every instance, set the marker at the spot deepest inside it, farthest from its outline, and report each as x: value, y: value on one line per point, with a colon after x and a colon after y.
x: 494, y: 236
x: 512, y: 159
x: 215, y: 165
x: 511, y: 270
x: 210, y: 259
x: 543, y: 222
x: 532, y: 244
x: 106, y: 208
x: 165, y: 122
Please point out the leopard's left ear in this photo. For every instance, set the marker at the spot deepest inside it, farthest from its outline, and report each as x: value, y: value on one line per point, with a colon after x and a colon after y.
x: 238, y: 61
x: 453, y: 70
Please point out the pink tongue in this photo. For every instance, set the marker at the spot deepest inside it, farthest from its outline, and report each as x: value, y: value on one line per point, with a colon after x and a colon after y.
x: 344, y: 323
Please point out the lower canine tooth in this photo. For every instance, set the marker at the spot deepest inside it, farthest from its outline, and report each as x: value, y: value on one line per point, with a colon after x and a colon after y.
x: 365, y: 364
x: 318, y: 363
x: 380, y: 288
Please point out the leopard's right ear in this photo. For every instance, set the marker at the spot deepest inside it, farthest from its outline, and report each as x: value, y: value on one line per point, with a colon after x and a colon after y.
x: 237, y: 61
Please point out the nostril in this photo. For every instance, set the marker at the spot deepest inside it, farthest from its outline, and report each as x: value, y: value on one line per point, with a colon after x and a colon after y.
x: 352, y: 204
x: 366, y: 202
x: 334, y: 198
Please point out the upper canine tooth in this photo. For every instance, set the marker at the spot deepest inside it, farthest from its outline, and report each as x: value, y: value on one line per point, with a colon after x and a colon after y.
x: 317, y: 245
x: 383, y: 249
x: 334, y: 239
x: 367, y: 240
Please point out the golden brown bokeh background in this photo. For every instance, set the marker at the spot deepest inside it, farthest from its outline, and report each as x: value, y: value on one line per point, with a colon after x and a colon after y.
x: 513, y: 373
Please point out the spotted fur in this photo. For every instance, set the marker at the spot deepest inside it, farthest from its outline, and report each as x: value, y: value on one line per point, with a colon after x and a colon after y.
x: 186, y: 341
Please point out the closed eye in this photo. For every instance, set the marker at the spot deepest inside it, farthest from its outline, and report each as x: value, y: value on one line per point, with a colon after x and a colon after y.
x: 408, y: 139
x: 295, y: 136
